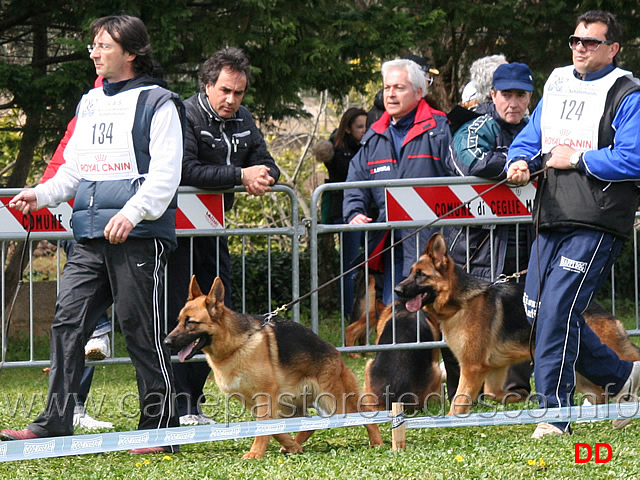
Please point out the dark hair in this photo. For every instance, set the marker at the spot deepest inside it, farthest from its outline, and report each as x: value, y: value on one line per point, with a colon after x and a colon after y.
x: 230, y: 57
x: 131, y: 34
x: 346, y: 121
x: 614, y: 29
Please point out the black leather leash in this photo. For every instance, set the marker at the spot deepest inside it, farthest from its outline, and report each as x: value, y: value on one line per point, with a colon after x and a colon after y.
x: 5, y: 333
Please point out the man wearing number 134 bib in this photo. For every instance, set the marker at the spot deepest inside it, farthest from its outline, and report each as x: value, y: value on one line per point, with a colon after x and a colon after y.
x: 122, y: 165
x: 586, y: 130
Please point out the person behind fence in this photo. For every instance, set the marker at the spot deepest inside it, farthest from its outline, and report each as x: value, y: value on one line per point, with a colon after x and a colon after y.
x: 585, y: 131
x: 123, y: 168
x: 223, y: 149
x: 410, y: 140
x: 478, y: 90
x: 377, y: 109
x: 336, y: 154
x: 479, y: 148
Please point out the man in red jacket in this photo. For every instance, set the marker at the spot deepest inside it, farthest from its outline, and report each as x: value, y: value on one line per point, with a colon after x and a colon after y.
x: 410, y: 140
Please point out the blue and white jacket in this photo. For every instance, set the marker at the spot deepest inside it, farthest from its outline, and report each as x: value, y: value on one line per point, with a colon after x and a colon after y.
x: 125, y: 156
x: 601, y: 194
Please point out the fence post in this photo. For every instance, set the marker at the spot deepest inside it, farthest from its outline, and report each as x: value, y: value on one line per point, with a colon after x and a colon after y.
x: 398, y: 431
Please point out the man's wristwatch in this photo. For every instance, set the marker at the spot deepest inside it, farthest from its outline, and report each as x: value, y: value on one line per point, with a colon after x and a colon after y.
x: 575, y: 159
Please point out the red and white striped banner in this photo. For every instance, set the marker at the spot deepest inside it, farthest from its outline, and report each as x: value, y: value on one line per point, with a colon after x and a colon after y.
x: 431, y: 202
x: 196, y: 211
x: 200, y: 211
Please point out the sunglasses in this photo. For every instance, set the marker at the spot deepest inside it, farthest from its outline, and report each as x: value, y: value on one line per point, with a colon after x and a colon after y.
x: 590, y: 43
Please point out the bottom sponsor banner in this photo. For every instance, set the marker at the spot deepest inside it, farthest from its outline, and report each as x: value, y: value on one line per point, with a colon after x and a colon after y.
x: 113, y: 441
x: 607, y: 411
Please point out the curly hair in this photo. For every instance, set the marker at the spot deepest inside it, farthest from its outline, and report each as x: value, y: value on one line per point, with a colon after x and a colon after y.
x: 481, y: 72
x: 230, y: 57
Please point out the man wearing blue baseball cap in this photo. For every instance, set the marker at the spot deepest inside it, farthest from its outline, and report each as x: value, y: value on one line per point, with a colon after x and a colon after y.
x: 479, y: 147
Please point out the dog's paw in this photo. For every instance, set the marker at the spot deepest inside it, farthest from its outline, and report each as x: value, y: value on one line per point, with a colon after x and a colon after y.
x: 292, y: 449
x: 252, y: 455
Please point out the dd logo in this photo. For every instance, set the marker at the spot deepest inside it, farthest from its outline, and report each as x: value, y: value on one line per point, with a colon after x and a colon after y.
x: 597, y: 447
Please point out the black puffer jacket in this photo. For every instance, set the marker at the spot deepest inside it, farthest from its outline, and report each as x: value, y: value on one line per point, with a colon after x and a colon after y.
x: 216, y: 148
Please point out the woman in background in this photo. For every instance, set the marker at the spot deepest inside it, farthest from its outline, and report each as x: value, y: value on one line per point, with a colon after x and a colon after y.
x: 336, y: 154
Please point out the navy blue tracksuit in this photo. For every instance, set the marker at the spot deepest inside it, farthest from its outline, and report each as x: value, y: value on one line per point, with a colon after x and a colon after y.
x: 569, y: 265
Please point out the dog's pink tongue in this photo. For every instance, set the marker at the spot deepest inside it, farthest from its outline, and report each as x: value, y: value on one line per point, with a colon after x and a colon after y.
x: 184, y: 353
x: 415, y: 303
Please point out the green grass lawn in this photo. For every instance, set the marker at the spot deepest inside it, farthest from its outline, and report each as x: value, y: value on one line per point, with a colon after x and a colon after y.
x: 496, y: 452
x: 493, y: 452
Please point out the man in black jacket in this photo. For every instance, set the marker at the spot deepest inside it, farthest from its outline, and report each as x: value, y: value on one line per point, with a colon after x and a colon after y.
x: 223, y: 149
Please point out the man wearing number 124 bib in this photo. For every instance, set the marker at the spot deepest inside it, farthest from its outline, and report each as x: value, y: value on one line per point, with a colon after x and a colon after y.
x: 586, y: 130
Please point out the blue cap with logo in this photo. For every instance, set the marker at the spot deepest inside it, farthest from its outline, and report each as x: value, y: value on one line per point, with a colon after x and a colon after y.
x: 513, y: 76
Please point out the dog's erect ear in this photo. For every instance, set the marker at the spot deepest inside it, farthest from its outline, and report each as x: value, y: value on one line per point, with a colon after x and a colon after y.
x: 216, y: 294
x: 436, y: 248
x: 194, y: 289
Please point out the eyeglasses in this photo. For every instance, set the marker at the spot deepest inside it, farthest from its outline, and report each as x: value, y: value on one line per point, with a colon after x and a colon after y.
x: 99, y: 46
x: 590, y: 43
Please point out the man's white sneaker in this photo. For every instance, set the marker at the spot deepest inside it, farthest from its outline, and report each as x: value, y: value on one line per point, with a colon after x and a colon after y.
x: 82, y: 419
x: 629, y: 391
x: 200, y: 419
x: 98, y: 348
x: 545, y: 428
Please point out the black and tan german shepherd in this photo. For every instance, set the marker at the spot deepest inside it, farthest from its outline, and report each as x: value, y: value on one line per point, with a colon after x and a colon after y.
x: 409, y: 376
x: 279, y: 367
x: 485, y: 325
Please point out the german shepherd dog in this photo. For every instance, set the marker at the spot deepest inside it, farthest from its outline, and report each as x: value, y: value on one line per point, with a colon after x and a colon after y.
x: 485, y: 325
x: 408, y: 376
x: 278, y: 368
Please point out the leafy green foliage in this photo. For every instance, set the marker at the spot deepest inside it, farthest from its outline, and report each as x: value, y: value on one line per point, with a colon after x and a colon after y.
x: 260, y: 273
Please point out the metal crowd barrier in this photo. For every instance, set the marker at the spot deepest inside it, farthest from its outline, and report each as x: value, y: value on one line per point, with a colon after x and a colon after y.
x: 200, y: 214
x: 55, y: 227
x: 465, y: 189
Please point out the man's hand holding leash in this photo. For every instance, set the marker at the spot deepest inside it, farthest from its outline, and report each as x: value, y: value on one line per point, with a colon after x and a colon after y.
x: 518, y: 173
x: 25, y: 202
x: 561, y: 157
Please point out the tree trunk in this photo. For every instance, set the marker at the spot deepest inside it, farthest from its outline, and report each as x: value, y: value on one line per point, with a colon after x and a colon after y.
x: 28, y: 143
